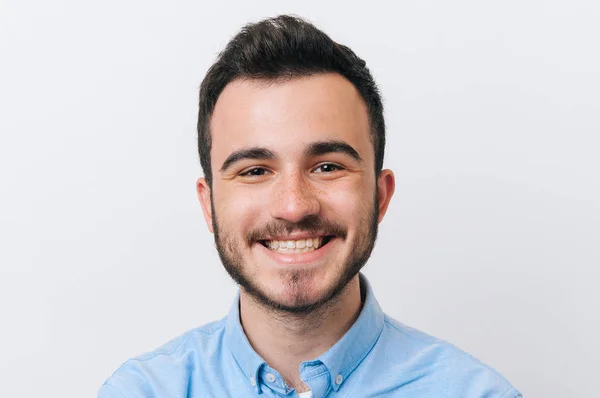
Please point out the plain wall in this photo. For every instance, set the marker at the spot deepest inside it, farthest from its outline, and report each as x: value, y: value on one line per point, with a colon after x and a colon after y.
x: 491, y: 241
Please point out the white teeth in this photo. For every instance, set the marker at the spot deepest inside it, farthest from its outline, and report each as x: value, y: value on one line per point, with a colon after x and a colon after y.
x: 295, y: 246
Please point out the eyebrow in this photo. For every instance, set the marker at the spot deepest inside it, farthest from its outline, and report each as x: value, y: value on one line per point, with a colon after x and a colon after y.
x: 247, y: 153
x: 324, y: 147
x: 313, y: 149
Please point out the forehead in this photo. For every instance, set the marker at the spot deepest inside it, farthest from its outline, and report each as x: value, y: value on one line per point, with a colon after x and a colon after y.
x: 287, y: 115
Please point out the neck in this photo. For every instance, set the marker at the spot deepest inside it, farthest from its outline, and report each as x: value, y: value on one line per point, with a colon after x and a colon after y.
x: 284, y: 341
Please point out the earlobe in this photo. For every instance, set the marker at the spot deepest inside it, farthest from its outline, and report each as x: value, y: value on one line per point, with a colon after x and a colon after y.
x: 204, y: 196
x: 386, y: 185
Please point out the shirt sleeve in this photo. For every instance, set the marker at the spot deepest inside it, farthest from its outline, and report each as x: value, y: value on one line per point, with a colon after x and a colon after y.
x: 109, y: 391
x: 512, y: 393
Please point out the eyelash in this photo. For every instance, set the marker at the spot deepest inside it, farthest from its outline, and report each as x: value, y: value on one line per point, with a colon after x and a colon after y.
x: 335, y: 166
x: 247, y: 172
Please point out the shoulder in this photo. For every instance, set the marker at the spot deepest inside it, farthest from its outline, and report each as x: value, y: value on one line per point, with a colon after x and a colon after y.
x: 441, y: 365
x: 167, y: 368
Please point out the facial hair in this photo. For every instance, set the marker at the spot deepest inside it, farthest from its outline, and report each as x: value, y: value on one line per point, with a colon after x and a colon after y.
x: 230, y: 253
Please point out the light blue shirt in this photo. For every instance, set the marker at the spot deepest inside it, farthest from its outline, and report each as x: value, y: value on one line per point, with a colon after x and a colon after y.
x: 377, y: 357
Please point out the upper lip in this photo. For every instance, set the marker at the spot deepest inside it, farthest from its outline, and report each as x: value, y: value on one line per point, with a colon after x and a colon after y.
x: 298, y: 236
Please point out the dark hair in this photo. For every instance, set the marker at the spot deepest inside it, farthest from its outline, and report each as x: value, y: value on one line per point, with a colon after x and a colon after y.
x: 282, y: 48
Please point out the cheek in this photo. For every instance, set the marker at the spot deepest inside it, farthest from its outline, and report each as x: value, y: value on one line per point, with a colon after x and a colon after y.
x: 236, y: 210
x: 348, y: 202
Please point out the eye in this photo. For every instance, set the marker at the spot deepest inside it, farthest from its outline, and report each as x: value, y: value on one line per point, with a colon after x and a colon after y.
x: 328, y: 168
x: 254, y: 172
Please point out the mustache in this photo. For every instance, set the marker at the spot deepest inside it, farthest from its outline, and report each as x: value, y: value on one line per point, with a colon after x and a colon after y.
x: 311, y: 224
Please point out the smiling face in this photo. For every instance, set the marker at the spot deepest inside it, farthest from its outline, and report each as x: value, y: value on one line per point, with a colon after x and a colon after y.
x: 295, y: 202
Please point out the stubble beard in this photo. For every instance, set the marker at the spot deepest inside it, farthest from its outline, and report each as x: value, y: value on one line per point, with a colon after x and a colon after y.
x: 230, y: 253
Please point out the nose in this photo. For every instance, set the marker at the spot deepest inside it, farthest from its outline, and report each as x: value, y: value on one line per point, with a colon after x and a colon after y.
x: 293, y: 198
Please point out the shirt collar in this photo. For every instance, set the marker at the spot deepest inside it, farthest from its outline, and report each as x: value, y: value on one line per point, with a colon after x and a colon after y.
x: 345, y: 355
x: 341, y: 359
x: 245, y: 356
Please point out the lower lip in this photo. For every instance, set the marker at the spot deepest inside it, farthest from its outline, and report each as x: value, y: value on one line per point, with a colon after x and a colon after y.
x: 298, y: 258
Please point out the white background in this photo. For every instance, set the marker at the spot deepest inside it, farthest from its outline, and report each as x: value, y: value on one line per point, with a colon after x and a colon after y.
x: 491, y: 241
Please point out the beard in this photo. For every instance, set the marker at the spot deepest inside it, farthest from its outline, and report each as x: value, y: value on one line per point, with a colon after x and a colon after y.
x: 230, y: 253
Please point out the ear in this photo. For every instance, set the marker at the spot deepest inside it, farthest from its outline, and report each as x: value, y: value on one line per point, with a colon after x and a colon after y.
x: 386, y: 184
x: 203, y: 191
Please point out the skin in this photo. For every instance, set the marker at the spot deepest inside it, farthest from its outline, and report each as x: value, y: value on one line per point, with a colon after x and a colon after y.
x: 294, y: 307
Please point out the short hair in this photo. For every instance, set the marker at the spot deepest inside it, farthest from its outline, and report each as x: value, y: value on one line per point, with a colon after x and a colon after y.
x: 282, y: 48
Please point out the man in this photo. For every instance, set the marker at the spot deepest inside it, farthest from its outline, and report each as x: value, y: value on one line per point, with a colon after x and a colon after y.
x: 291, y: 139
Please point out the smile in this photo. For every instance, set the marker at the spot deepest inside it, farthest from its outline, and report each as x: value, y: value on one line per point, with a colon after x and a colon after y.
x: 296, y: 246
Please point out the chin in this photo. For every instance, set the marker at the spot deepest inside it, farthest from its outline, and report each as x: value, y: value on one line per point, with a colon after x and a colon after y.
x: 299, y: 291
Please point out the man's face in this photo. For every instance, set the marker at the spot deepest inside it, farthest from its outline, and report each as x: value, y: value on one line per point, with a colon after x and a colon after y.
x: 294, y: 203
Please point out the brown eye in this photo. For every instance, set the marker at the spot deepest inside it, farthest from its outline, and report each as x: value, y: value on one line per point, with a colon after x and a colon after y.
x: 328, y: 168
x: 255, y: 172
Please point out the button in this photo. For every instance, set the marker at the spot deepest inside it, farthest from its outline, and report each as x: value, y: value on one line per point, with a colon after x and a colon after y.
x: 338, y: 379
x: 252, y: 381
x: 270, y: 377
